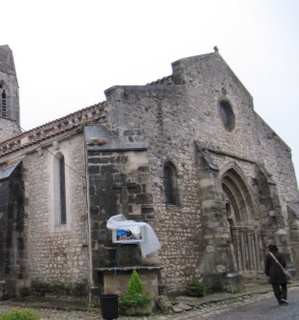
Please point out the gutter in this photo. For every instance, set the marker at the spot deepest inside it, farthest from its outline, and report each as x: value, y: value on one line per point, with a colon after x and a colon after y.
x: 91, y: 278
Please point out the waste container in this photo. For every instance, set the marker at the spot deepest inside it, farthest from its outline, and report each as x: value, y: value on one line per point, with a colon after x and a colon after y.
x: 109, y: 306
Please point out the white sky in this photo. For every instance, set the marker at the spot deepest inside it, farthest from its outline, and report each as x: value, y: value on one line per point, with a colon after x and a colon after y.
x: 67, y: 52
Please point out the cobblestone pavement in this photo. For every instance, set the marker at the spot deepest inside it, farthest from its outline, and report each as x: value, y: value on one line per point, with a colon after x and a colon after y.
x: 217, y: 309
x: 257, y: 307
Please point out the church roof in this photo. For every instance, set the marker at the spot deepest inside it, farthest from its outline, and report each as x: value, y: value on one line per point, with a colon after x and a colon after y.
x: 7, y: 64
x: 51, y: 129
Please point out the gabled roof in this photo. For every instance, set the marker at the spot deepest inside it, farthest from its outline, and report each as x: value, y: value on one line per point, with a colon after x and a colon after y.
x: 206, y: 58
x: 51, y: 129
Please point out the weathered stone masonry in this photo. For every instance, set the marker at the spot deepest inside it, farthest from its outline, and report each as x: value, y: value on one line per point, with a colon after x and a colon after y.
x: 178, y: 111
x: 236, y: 189
x: 13, y: 239
x: 118, y: 183
x: 56, y: 255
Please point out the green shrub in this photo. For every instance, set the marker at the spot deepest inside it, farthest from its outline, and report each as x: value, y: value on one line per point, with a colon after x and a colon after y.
x: 135, y: 297
x: 197, y: 288
x: 20, y: 314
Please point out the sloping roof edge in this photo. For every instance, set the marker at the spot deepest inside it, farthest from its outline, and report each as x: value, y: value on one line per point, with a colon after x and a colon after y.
x: 50, y: 129
x: 6, y: 171
x: 205, y: 56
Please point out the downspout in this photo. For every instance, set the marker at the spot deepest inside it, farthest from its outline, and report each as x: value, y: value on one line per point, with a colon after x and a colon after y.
x: 91, y: 278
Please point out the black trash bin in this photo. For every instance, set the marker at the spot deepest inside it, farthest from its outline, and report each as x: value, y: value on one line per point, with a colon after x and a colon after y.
x: 109, y: 306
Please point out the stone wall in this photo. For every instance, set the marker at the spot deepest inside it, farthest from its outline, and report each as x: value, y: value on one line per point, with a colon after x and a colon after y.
x: 156, y: 111
x: 173, y: 116
x: 8, y: 129
x: 119, y: 284
x: 4, y: 198
x: 277, y: 159
x: 58, y: 253
x: 119, y: 182
x: 179, y: 119
x: 13, y: 244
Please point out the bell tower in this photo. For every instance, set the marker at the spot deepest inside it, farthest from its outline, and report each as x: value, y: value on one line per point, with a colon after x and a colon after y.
x: 9, y: 95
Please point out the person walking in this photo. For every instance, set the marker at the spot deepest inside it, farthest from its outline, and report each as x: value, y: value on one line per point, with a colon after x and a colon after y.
x: 274, y: 269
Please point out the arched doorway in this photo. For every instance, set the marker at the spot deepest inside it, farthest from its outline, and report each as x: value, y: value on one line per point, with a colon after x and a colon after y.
x: 243, y: 223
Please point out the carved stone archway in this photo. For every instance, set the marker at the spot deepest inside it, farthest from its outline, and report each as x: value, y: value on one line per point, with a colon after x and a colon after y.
x: 242, y: 218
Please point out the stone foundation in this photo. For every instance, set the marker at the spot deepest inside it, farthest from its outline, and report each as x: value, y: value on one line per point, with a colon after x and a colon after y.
x: 115, y: 280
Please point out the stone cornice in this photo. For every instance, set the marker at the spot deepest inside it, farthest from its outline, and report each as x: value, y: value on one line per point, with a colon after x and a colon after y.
x: 74, y: 120
x: 231, y: 155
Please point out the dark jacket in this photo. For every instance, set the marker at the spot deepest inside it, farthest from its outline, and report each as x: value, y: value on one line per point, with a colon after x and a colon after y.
x: 273, y: 270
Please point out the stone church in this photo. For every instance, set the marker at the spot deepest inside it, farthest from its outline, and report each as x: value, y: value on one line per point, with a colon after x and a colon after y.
x: 187, y: 154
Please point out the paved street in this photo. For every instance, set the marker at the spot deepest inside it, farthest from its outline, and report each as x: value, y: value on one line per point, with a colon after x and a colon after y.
x: 265, y: 309
x: 251, y: 307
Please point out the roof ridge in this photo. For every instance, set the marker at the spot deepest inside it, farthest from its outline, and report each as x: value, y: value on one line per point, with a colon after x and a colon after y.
x: 52, y: 128
x: 65, y: 117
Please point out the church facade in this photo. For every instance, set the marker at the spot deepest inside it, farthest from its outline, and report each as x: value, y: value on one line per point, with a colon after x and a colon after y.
x: 187, y: 154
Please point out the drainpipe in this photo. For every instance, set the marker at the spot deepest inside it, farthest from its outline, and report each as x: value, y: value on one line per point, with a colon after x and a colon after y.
x: 91, y: 278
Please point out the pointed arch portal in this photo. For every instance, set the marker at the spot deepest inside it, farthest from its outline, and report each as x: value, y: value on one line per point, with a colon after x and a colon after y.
x: 241, y: 218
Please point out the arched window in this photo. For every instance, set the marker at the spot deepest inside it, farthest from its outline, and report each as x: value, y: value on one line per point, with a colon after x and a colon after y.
x: 3, y: 104
x: 59, y: 190
x: 227, y: 115
x: 170, y: 184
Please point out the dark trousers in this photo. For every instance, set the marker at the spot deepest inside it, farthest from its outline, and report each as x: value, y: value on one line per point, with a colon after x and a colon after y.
x: 280, y: 291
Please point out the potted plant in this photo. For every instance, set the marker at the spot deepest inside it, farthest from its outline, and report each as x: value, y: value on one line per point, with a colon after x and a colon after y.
x: 136, y: 301
x: 197, y: 288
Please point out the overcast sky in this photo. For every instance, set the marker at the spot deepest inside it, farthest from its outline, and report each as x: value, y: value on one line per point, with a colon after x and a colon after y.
x: 68, y: 52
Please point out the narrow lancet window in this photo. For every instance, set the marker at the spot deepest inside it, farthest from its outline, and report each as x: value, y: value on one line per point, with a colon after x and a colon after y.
x: 60, y: 198
x: 170, y: 184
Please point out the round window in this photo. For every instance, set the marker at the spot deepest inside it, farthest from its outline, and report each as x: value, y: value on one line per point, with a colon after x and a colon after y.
x: 227, y: 115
